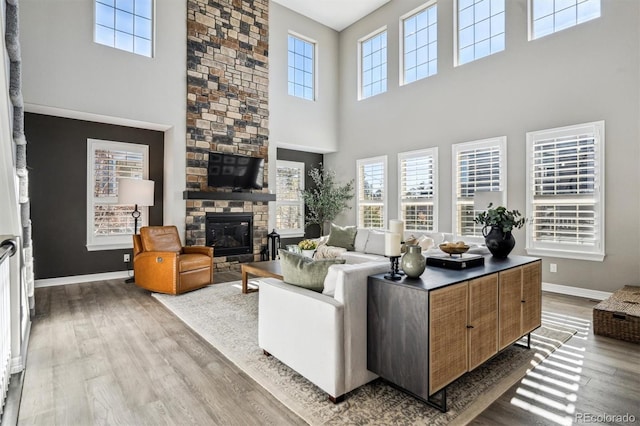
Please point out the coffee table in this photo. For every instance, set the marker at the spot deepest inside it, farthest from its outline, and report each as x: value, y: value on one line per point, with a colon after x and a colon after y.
x: 267, y: 268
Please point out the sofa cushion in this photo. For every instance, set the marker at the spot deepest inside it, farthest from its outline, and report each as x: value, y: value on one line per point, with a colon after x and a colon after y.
x: 375, y: 243
x: 361, y: 239
x: 304, y: 272
x: 342, y: 236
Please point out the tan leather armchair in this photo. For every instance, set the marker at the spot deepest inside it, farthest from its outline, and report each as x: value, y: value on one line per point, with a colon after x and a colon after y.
x: 162, y: 265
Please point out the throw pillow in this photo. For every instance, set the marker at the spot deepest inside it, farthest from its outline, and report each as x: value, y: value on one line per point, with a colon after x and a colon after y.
x: 375, y: 243
x: 342, y: 236
x: 361, y: 239
x: 328, y: 252
x: 304, y: 272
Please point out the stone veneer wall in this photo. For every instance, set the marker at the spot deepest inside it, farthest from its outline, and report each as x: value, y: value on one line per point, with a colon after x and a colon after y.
x: 227, y: 105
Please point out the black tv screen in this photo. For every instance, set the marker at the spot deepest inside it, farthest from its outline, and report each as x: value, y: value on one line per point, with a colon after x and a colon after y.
x: 235, y: 171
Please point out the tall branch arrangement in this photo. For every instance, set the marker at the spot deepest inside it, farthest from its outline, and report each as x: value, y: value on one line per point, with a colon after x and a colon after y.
x: 325, y: 202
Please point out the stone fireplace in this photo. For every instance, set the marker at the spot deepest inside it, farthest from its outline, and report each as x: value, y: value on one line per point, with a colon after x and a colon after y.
x: 229, y: 233
x: 227, y: 111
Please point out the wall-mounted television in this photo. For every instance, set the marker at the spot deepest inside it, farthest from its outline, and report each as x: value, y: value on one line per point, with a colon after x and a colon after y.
x: 239, y: 172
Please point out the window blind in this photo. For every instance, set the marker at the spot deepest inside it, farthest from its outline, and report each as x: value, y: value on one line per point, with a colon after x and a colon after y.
x: 371, y: 193
x: 478, y: 166
x: 417, y: 190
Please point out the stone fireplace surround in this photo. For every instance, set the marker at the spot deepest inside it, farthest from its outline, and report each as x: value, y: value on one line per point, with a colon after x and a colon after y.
x: 227, y: 111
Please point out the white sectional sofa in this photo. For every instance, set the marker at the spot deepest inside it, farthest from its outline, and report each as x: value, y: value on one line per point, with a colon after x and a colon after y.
x: 369, y: 245
x: 322, y: 336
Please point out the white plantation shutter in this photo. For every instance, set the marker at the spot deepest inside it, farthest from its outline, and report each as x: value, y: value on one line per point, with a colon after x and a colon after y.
x: 372, y: 192
x: 478, y: 166
x: 289, y: 204
x: 565, y: 171
x: 110, y: 225
x: 418, y: 189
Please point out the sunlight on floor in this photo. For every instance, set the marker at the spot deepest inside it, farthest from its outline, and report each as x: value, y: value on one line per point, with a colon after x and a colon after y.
x: 550, y: 389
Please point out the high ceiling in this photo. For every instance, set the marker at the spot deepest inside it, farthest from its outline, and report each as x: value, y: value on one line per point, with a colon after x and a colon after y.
x: 336, y: 14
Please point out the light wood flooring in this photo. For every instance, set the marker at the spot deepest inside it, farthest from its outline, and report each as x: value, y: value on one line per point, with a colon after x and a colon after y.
x: 108, y: 353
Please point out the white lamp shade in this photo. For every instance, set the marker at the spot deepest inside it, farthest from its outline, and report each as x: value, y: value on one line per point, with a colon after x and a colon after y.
x: 482, y: 199
x: 135, y: 191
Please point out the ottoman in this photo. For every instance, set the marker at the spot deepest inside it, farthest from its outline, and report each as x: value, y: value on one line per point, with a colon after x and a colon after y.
x: 619, y: 315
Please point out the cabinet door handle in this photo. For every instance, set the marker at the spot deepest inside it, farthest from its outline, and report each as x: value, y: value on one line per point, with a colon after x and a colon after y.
x: 469, y: 326
x: 523, y: 301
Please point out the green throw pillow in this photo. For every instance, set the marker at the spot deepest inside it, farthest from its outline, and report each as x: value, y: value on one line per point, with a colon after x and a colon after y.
x: 305, y: 272
x: 342, y: 236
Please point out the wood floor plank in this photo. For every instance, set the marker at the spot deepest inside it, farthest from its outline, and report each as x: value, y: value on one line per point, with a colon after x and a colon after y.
x: 108, y: 353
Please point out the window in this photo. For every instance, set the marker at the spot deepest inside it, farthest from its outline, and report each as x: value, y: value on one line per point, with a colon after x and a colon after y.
x: 301, y: 68
x: 125, y: 25
x: 480, y: 29
x: 420, y: 43
x: 478, y: 165
x: 109, y: 224
x: 419, y: 189
x: 290, y: 177
x: 373, y: 64
x: 565, y: 199
x: 550, y: 16
x: 372, y: 192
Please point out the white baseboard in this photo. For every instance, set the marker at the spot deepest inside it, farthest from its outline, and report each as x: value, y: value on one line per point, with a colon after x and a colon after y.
x: 575, y: 291
x: 76, y: 279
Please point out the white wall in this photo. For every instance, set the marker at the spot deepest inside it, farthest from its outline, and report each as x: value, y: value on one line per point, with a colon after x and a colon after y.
x: 297, y: 123
x: 585, y: 73
x: 65, y: 73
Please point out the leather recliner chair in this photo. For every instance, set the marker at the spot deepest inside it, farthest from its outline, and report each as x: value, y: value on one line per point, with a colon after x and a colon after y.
x: 161, y: 264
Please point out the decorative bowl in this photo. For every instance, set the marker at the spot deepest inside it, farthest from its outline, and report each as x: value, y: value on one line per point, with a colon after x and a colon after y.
x: 452, y: 248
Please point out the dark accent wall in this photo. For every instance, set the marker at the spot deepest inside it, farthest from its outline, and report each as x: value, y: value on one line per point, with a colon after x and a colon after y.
x: 57, y: 163
x: 310, y: 160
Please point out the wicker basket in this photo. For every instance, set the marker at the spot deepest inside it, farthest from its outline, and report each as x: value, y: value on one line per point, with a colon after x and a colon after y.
x: 619, y: 315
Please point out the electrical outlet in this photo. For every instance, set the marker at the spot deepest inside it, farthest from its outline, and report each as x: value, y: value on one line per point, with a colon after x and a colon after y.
x: 553, y: 267
x: 127, y: 258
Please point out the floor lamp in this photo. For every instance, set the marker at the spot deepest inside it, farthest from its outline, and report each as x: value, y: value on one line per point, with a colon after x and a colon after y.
x: 138, y: 192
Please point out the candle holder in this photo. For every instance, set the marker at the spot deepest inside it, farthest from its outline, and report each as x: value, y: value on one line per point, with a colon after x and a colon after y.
x: 393, y: 274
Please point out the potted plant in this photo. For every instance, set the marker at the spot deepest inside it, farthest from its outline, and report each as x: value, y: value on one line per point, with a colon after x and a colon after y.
x: 326, y: 199
x: 497, y: 224
x: 308, y: 247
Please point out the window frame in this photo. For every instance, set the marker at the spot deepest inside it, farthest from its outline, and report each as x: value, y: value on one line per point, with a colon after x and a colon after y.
x: 315, y: 68
x: 558, y: 249
x: 297, y: 232
x: 403, y: 53
x: 531, y: 20
x: 501, y: 143
x: 362, y: 40
x: 456, y: 35
x: 133, y: 34
x: 360, y: 202
x: 433, y: 153
x: 111, y: 242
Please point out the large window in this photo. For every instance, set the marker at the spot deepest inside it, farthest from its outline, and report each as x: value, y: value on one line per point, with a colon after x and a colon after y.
x: 419, y: 189
x: 125, y: 25
x: 480, y: 29
x: 109, y: 224
x: 373, y: 64
x: 477, y: 166
x: 420, y: 43
x: 372, y: 192
x: 301, y: 78
x: 550, y: 16
x: 565, y: 173
x: 290, y: 177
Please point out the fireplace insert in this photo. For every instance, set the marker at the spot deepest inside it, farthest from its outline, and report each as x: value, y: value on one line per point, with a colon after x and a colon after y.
x: 229, y: 233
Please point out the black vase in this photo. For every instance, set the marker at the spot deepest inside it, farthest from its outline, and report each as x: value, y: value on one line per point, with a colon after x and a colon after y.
x: 498, y: 242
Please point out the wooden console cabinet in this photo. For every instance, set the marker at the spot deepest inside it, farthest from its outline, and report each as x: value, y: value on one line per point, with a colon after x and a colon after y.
x: 425, y: 333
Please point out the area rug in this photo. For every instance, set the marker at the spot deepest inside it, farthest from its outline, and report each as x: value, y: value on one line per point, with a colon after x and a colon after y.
x: 228, y: 320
